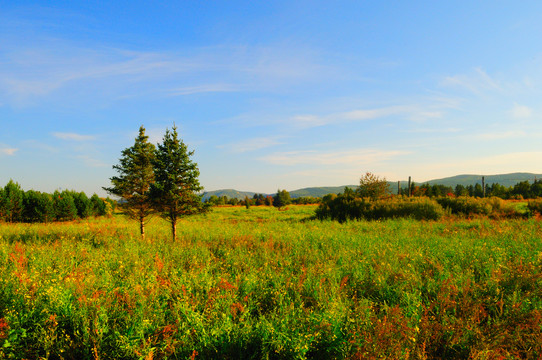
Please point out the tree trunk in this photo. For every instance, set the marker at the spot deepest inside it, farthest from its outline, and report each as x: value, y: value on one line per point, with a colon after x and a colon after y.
x: 174, y: 229
x: 142, y: 227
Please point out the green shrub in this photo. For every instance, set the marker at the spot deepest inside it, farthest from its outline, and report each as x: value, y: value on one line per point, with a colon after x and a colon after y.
x: 464, y: 205
x: 535, y: 206
x: 501, y: 208
x: 346, y: 206
x: 469, y: 206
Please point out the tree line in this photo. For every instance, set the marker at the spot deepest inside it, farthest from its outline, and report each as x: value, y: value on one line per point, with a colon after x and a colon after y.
x: 373, y: 200
x: 17, y: 205
x: 261, y: 200
x: 519, y: 191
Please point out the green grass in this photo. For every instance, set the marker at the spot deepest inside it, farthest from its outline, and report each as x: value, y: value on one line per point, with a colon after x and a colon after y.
x: 268, y: 284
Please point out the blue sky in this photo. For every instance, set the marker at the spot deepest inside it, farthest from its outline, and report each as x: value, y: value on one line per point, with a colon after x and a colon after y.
x: 274, y: 94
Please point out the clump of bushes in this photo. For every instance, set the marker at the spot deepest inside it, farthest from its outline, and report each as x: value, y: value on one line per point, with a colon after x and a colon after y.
x: 348, y: 206
x: 535, y: 206
x: 469, y: 206
x: 465, y: 205
x: 351, y: 206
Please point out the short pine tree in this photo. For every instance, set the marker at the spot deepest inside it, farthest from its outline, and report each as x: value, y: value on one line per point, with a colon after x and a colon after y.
x: 281, y: 199
x: 135, y: 176
x: 176, y: 187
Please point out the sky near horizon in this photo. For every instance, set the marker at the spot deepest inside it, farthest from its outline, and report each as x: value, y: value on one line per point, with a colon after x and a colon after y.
x: 271, y: 94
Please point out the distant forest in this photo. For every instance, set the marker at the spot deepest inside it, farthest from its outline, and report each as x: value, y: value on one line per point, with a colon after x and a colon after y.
x: 521, y: 190
x: 17, y: 205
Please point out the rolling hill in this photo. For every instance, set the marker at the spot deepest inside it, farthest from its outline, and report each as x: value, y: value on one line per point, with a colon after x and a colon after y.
x: 503, y: 179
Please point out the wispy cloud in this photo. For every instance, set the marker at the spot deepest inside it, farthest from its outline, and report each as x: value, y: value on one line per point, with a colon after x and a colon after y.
x: 494, y: 164
x: 521, y: 111
x: 40, y: 69
x: 92, y: 162
x: 73, y: 136
x: 253, y: 144
x: 449, y: 130
x: 360, y: 157
x: 477, y: 82
x: 415, y: 113
x: 207, y: 88
x: 8, y: 151
x: 501, y: 135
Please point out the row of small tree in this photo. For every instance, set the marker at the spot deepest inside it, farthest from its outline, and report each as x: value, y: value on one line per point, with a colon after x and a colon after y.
x: 259, y: 200
x: 17, y: 205
x: 157, y: 179
x: 521, y: 190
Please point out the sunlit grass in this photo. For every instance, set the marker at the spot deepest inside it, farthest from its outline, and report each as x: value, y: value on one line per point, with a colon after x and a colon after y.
x: 261, y: 283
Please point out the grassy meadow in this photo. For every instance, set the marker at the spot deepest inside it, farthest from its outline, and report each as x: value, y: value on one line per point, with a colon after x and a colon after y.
x: 265, y: 284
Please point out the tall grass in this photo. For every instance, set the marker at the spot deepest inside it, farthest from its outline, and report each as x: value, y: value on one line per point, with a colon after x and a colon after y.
x: 265, y: 284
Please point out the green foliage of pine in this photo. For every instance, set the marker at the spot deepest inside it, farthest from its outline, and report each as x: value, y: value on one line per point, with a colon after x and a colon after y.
x: 175, y: 192
x: 268, y: 284
x: 281, y: 199
x: 17, y: 205
x: 134, y: 179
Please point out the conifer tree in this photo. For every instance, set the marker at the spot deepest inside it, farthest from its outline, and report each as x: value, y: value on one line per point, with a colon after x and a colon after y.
x: 281, y: 199
x: 135, y: 176
x: 64, y: 206
x: 176, y: 187
x: 12, y: 202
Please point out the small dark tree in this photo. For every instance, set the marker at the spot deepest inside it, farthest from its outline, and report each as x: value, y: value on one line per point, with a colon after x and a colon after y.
x: 281, y: 199
x: 82, y: 203
x: 460, y: 190
x: 135, y: 176
x: 176, y: 187
x: 64, y: 206
x: 247, y: 202
x: 38, y: 207
x: 373, y: 187
x: 97, y: 206
x: 12, y: 202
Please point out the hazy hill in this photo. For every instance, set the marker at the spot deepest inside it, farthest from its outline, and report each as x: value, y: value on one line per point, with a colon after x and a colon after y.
x: 231, y: 193
x: 503, y: 179
x: 319, y: 191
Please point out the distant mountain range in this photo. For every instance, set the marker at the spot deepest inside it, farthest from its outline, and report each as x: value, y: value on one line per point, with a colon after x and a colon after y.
x: 503, y: 179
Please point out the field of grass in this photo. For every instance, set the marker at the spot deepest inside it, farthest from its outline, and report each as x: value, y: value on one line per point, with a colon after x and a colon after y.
x: 265, y: 284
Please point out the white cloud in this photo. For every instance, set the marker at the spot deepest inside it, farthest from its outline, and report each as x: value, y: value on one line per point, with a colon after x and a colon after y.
x: 89, y: 161
x: 434, y: 131
x: 414, y: 112
x: 207, y: 88
x: 359, y: 157
x: 41, y: 69
x: 373, y: 113
x: 501, y: 135
x: 496, y: 164
x: 521, y: 111
x: 254, y: 144
x: 8, y: 151
x: 308, y: 120
x: 477, y: 83
x: 72, y: 136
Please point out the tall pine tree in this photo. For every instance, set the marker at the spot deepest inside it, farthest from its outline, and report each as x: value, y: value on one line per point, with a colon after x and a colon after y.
x: 135, y: 177
x: 176, y: 187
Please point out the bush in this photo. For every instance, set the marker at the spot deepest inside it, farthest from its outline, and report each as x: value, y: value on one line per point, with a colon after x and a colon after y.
x: 535, y: 206
x: 464, y: 205
x: 346, y: 206
x: 469, y: 206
